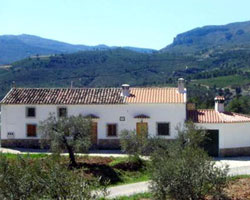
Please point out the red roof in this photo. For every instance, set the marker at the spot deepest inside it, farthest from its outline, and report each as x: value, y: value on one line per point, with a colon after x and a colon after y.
x: 92, y: 96
x: 211, y: 116
x: 155, y: 95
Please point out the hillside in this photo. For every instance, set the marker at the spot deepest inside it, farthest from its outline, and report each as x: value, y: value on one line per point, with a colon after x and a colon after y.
x: 17, y: 47
x: 207, y: 39
x: 209, y: 69
x: 111, y: 68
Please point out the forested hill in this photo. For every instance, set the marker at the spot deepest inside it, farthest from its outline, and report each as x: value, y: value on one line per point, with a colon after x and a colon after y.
x: 111, y: 68
x: 208, y: 39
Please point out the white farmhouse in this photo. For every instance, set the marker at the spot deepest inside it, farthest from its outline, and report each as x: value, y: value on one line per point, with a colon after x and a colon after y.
x: 158, y: 110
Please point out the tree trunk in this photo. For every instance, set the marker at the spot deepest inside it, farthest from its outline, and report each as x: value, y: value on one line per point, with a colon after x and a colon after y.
x: 71, y: 157
x: 71, y: 154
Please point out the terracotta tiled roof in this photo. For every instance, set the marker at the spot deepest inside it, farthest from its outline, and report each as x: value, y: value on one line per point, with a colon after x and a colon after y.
x: 63, y: 96
x: 155, y: 95
x: 91, y: 96
x: 211, y: 116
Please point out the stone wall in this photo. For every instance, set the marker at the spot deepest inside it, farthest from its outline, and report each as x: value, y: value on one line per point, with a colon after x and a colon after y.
x: 242, y: 151
x: 109, y: 144
x: 21, y: 143
x: 35, y: 144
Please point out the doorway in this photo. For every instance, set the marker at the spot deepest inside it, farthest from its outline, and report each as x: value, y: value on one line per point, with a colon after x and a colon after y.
x: 142, y: 128
x: 94, y: 133
x: 211, y: 143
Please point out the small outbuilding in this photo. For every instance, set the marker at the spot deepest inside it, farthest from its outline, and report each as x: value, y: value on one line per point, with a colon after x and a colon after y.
x: 228, y: 132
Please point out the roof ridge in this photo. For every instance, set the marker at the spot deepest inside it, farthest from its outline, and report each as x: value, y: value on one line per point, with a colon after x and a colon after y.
x: 209, y: 109
x: 95, y: 88
x: 241, y: 114
x: 5, y: 97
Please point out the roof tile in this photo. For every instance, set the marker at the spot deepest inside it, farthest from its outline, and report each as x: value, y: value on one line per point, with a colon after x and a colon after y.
x: 91, y: 96
x: 211, y: 116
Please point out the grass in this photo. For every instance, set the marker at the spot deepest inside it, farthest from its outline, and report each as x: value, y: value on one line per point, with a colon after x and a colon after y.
x: 133, y: 174
x: 13, y: 156
x: 134, y: 197
x: 235, y: 178
x: 128, y: 178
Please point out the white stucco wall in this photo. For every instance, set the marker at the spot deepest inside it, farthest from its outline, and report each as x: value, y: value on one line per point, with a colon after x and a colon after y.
x: 14, y: 118
x: 231, y: 135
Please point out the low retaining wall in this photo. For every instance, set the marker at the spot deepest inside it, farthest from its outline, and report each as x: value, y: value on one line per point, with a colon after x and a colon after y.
x: 21, y: 143
x: 241, y: 151
x: 35, y: 144
x: 109, y: 144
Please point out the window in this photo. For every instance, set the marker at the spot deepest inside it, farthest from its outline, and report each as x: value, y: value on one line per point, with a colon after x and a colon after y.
x: 10, y: 135
x: 112, y: 129
x: 30, y: 112
x: 31, y: 130
x: 163, y: 128
x: 62, y: 112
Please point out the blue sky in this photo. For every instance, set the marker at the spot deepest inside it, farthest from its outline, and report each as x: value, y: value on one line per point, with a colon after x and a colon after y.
x: 141, y: 23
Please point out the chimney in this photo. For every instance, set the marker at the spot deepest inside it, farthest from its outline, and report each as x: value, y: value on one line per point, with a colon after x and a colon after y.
x: 181, y: 85
x: 219, y: 103
x: 13, y: 85
x: 125, y: 90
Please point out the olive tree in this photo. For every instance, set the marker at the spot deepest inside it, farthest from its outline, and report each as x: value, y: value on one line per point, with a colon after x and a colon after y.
x: 71, y: 133
x: 184, y: 170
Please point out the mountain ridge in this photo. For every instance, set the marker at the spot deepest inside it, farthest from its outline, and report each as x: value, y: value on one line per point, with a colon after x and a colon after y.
x: 202, y: 39
x: 16, y: 47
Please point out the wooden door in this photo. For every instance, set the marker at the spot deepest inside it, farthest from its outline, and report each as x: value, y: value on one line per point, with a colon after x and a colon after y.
x: 142, y: 128
x: 94, y: 133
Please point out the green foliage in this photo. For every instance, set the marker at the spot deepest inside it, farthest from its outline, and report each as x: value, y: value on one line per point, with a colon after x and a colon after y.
x: 24, y: 178
x: 26, y: 155
x: 138, y: 145
x: 140, y: 196
x: 239, y: 105
x: 133, y: 143
x: 185, y: 171
x: 66, y: 133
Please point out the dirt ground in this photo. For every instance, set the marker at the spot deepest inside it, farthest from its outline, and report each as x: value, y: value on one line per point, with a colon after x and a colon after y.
x: 239, y: 189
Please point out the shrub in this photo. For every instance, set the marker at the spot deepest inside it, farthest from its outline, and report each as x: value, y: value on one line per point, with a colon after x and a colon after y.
x: 140, y: 144
x: 132, y: 143
x: 184, y: 170
x: 25, y: 178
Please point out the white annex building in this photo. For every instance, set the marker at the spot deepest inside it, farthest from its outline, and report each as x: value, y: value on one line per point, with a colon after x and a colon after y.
x: 157, y: 110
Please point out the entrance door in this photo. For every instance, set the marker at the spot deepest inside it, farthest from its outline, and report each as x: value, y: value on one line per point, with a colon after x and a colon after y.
x: 94, y: 133
x: 211, y: 144
x: 142, y: 128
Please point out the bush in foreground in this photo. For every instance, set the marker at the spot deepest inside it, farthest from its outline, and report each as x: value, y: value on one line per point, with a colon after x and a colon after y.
x: 184, y: 170
x: 25, y: 178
